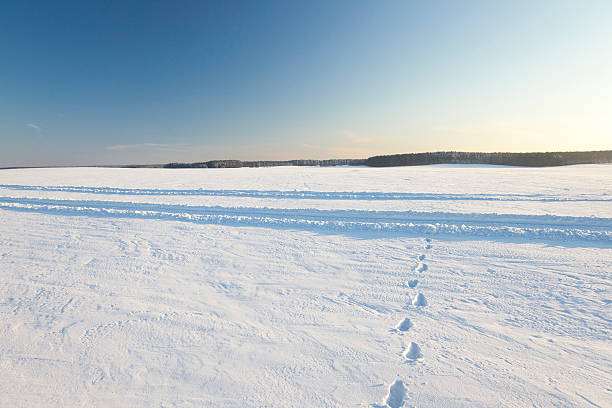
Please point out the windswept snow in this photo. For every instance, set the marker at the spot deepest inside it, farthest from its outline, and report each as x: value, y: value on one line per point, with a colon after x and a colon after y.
x: 306, y: 287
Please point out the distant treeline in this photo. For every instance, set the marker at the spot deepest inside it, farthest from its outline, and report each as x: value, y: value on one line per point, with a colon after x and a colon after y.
x: 418, y: 159
x: 216, y: 164
x: 409, y: 159
x: 506, y: 159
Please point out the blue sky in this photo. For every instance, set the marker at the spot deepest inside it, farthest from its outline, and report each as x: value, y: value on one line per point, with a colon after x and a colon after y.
x: 154, y: 82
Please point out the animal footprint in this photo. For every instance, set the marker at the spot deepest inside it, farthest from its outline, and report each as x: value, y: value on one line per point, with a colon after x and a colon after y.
x: 419, y: 300
x: 421, y: 267
x: 404, y: 325
x: 397, y: 394
x: 421, y: 257
x: 412, y: 283
x: 413, y: 352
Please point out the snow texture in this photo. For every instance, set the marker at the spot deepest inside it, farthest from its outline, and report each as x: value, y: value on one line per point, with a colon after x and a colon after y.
x: 305, y: 287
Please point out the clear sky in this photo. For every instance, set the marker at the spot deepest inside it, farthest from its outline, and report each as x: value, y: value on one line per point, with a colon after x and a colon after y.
x: 153, y: 82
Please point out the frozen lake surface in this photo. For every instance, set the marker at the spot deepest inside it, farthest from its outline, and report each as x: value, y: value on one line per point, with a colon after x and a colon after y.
x: 433, y: 286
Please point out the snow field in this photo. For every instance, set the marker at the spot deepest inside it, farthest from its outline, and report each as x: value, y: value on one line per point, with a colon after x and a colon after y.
x: 119, y: 298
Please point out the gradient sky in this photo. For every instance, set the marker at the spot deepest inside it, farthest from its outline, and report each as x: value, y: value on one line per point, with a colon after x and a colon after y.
x: 153, y: 82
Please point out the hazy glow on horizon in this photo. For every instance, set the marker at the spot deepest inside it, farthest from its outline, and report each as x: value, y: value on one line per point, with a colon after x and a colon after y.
x: 142, y: 83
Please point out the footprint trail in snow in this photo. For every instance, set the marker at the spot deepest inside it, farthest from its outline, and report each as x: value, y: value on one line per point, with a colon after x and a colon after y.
x: 397, y: 391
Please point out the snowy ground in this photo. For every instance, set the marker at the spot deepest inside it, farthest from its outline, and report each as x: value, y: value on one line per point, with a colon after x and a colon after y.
x: 435, y: 286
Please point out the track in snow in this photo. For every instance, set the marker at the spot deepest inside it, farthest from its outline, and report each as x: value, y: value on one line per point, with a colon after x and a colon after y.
x: 101, y: 299
x: 548, y: 227
x: 314, y: 195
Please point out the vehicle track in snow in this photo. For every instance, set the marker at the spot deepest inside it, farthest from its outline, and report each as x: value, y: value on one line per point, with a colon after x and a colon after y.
x: 548, y: 227
x: 311, y: 195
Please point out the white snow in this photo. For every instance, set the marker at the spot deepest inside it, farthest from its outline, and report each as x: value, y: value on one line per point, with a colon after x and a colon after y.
x: 297, y: 287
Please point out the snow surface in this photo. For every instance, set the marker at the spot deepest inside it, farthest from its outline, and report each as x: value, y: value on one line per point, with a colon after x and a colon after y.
x: 434, y: 286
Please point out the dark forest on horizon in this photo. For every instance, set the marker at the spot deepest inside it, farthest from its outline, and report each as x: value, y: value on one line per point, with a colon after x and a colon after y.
x: 545, y: 159
x: 542, y: 159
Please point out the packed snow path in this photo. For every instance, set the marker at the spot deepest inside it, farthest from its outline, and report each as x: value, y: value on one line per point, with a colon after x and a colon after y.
x: 106, y: 301
x: 542, y: 227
